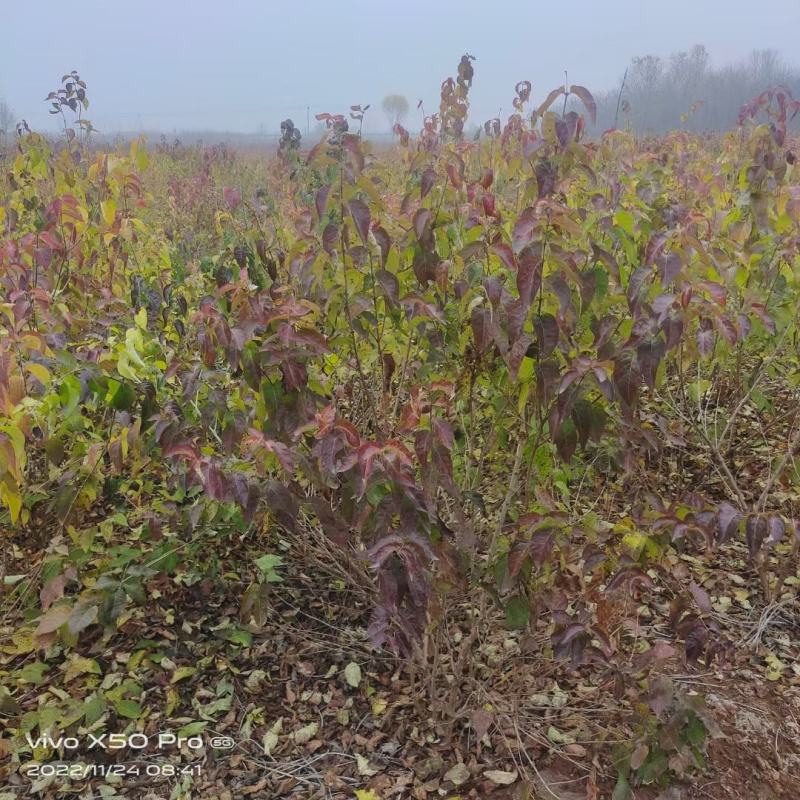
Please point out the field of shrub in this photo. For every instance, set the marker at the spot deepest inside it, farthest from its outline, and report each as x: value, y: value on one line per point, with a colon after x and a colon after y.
x: 461, y: 468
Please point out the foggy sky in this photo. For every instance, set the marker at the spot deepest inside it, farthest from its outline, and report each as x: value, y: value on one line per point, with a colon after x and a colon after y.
x: 239, y: 64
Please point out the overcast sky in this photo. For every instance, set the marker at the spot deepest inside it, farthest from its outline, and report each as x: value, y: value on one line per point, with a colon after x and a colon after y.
x: 240, y: 64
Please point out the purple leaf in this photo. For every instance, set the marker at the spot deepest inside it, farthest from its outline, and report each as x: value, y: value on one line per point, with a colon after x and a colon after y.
x: 427, y: 182
x: 729, y: 519
x: 321, y: 201
x: 383, y: 240
x: 705, y: 338
x: 755, y: 530
x: 649, y: 354
x: 529, y: 275
x: 627, y: 377
x: 777, y: 528
x: 422, y: 219
x: 359, y: 211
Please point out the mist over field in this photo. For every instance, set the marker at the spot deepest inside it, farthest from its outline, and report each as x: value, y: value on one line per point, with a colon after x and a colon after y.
x: 243, y: 66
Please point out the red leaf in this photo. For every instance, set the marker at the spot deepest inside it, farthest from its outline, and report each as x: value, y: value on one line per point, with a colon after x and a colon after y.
x: 481, y: 321
x: 186, y: 451
x: 232, y: 197
x: 505, y: 254
x: 455, y: 178
x: 586, y: 98
x: 524, y: 229
x: 52, y: 590
x: 213, y: 481
x: 549, y: 100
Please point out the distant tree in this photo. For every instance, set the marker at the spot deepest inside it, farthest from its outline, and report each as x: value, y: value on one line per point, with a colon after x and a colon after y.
x: 6, y: 117
x: 395, y: 106
x: 687, y: 91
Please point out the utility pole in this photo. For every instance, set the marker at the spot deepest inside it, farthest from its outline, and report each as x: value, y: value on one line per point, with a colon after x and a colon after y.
x: 308, y: 120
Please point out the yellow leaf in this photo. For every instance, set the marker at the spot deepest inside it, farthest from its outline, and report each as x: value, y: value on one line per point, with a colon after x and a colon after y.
x: 139, y: 154
x: 549, y: 127
x: 12, y: 500
x: 181, y: 673
x: 379, y: 706
x: 742, y: 598
x: 80, y: 666
x: 23, y: 642
x: 109, y: 209
x: 775, y: 667
x: 173, y: 698
x: 41, y: 373
x: 366, y: 794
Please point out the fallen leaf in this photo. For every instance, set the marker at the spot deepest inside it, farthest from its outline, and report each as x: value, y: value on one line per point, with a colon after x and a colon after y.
x: 271, y: 737
x: 500, y: 777
x: 306, y: 733
x: 458, y: 774
x: 557, y: 737
x: 181, y: 673
x: 363, y: 766
x: 352, y: 674
x: 379, y: 705
x: 481, y: 721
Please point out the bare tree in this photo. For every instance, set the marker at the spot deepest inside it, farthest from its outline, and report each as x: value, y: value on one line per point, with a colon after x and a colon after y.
x: 395, y: 106
x: 687, y: 91
x: 6, y: 118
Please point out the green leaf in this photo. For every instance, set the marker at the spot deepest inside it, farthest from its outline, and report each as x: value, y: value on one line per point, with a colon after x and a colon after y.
x: 624, y: 220
x: 32, y: 673
x: 192, y: 729
x: 128, y: 708
x: 238, y: 636
x: 517, y: 613
x: 696, y: 731
x: 268, y: 564
x: 622, y: 791
x: 93, y: 709
x: 123, y: 397
x: 69, y: 392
